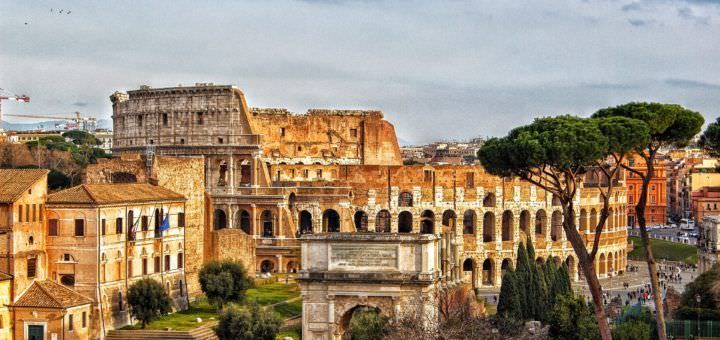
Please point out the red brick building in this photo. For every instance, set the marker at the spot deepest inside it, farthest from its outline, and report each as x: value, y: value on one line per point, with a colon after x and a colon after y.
x: 656, y: 209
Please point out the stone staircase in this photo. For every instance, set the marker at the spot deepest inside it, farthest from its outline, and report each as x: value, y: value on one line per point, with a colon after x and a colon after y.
x: 204, y: 332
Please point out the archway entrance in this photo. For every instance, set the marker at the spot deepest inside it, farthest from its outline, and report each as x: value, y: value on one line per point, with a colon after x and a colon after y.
x: 267, y: 266
x: 469, y: 272
x: 331, y: 221
x: 488, y: 272
x: 350, y: 320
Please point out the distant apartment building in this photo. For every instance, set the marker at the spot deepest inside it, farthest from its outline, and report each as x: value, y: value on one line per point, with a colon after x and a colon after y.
x: 656, y: 208
x: 30, y: 136
x: 105, y: 138
x: 708, y: 242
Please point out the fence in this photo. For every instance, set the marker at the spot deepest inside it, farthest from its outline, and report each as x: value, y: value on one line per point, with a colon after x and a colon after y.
x: 692, y: 329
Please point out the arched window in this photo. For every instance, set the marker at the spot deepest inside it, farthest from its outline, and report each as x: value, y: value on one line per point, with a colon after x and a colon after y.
x: 382, y: 222
x: 525, y: 222
x: 243, y: 221
x: 306, y: 222
x: 267, y: 219
x: 405, y: 222
x: 540, y: 222
x: 331, y: 221
x: 219, y: 219
x: 488, y: 272
x: 583, y: 220
x: 508, y: 229
x: 120, y: 301
x: 448, y: 219
x: 427, y: 222
x: 361, y: 221
x: 469, y: 222
x: 556, y: 228
x: 488, y: 227
x: 489, y: 200
x: 405, y: 199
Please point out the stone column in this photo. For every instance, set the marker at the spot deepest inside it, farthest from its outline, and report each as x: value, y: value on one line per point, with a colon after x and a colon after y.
x: 231, y: 174
x: 230, y: 216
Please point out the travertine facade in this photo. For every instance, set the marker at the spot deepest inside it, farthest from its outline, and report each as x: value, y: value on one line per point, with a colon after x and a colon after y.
x: 275, y: 175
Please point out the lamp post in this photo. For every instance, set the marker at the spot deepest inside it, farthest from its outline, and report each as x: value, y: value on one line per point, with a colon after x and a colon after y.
x: 698, y: 299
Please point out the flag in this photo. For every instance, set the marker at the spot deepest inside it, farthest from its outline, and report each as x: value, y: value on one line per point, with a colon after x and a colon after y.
x: 166, y: 223
x: 134, y: 228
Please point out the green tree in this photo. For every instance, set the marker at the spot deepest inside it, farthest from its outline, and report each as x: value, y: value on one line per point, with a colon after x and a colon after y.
x: 80, y: 137
x: 707, y: 287
x: 224, y: 281
x: 572, y: 319
x: 367, y: 324
x: 710, y: 139
x: 510, y: 304
x: 632, y: 330
x: 148, y: 300
x: 236, y: 323
x: 668, y: 125
x: 555, y: 154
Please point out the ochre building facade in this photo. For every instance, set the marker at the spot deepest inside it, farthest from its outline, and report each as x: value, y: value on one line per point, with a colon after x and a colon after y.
x: 270, y: 175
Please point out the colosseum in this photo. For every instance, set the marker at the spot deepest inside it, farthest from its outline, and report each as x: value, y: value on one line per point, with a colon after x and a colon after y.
x: 270, y: 175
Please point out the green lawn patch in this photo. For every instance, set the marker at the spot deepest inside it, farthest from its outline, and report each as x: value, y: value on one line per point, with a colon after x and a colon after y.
x: 272, y: 293
x: 287, y: 310
x: 183, y: 320
x: 666, y: 250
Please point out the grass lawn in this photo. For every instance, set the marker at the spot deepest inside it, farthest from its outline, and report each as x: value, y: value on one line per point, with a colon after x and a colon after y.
x: 666, y: 250
x: 264, y: 295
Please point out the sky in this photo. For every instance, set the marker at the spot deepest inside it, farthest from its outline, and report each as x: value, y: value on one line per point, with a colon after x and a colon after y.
x: 439, y: 70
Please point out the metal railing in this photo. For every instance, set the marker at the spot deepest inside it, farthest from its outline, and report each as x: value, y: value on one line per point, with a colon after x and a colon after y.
x: 693, y: 329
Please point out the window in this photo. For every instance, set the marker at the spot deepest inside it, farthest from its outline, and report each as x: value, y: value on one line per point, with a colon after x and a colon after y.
x: 70, y: 322
x: 102, y: 227
x: 180, y: 260
x: 144, y: 223
x: 139, y: 120
x: 27, y: 212
x: 31, y: 267
x: 68, y: 280
x: 84, y: 319
x: 144, y: 266
x: 34, y: 212
x: 200, y: 118
x: 118, y: 225
x: 167, y: 262
x: 220, y: 140
x: 305, y: 173
x: 156, y: 264
x: 129, y: 270
x: 282, y: 132
x: 152, y: 142
x: 652, y: 188
x: 630, y: 199
x: 470, y: 180
x: 79, y: 227
x: 353, y: 132
x: 120, y: 301
x: 165, y: 119
x: 181, y: 220
x: 182, y: 140
x: 31, y: 240
x: 319, y: 173
x: 428, y: 176
x: 20, y: 211
x: 652, y: 199
x: 53, y: 227
x: 42, y: 213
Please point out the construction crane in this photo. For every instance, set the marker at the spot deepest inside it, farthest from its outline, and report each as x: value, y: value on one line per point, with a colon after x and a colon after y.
x: 83, y: 123
x: 22, y: 98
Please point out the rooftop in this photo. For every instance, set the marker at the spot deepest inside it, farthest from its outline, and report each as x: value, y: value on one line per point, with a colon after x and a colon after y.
x: 49, y: 294
x: 102, y: 194
x: 14, y: 182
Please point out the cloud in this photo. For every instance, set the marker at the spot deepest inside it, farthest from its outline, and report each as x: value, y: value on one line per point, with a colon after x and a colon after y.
x: 688, y: 14
x: 633, y: 6
x: 692, y: 84
x: 80, y: 104
x: 638, y: 22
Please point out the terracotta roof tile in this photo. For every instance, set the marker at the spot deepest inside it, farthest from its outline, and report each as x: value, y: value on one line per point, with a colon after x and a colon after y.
x: 49, y: 294
x: 13, y: 182
x: 114, y: 193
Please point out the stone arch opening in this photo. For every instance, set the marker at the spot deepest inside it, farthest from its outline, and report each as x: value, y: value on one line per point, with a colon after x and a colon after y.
x: 488, y: 272
x: 468, y: 268
x: 331, y: 221
x: 507, y: 226
x: 405, y: 222
x: 570, y: 263
x: 489, y: 227
x: 602, y: 264
x: 610, y: 263
x: 219, y: 219
x: 242, y: 220
x: 292, y: 201
x: 291, y: 267
x: 556, y: 228
x: 540, y: 223
x: 540, y: 260
x: 405, y: 199
x: 222, y: 173
x: 361, y: 221
x: 427, y: 222
x: 593, y: 219
x: 347, y: 318
x: 583, y: 220
x: 525, y: 225
x: 267, y: 266
x: 469, y: 222
x: 306, y: 226
x: 505, y: 265
x: 556, y: 201
x: 267, y: 220
x: 382, y: 221
x: 611, y: 219
x: 123, y: 177
x: 449, y: 218
x: 489, y: 200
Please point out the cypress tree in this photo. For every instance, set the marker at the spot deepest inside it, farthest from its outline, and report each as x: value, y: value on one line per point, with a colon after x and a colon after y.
x: 510, y: 299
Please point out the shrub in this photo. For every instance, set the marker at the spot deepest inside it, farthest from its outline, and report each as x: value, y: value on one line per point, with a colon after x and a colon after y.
x: 224, y: 281
x: 367, y: 324
x: 148, y: 300
x: 239, y: 323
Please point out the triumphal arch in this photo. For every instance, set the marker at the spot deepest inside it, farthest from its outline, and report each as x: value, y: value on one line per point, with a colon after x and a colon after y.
x: 345, y: 271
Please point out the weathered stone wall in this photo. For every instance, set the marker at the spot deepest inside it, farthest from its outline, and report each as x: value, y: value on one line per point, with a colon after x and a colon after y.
x: 111, y: 170
x: 234, y: 244
x: 326, y: 137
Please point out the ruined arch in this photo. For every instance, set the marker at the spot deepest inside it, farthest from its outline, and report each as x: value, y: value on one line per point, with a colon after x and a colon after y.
x: 469, y: 222
x: 361, y: 221
x: 346, y: 318
x: 219, y: 219
x: 489, y: 200
x: 488, y: 271
x: 507, y: 226
x: 525, y: 224
x: 427, y: 222
x: 557, y: 226
x: 405, y: 222
x: 306, y: 224
x: 469, y: 269
x: 242, y: 220
x: 540, y: 223
x: 331, y: 221
x: 382, y: 222
x: 449, y: 218
x: 489, y: 227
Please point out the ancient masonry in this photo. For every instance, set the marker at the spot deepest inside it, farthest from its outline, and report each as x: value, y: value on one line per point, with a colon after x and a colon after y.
x: 256, y: 179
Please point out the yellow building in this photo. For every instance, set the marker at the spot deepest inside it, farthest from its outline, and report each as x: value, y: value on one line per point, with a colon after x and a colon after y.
x: 5, y: 299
